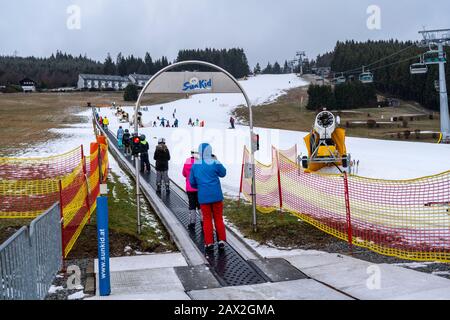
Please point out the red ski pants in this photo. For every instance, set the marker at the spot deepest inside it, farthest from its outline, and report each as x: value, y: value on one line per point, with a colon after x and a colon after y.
x: 213, y: 211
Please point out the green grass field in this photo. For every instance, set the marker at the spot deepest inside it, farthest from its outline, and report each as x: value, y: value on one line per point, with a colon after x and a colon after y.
x: 288, y: 113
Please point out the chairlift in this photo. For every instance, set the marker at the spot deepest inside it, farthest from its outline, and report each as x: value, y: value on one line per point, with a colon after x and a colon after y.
x: 419, y: 68
x: 366, y: 77
x: 340, y: 80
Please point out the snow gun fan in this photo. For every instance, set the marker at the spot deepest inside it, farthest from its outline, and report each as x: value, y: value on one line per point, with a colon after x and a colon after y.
x: 325, y: 144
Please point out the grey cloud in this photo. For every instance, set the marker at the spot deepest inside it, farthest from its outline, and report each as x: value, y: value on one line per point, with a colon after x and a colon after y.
x: 267, y: 30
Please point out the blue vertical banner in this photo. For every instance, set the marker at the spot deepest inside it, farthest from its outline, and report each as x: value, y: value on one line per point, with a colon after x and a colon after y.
x: 103, y: 246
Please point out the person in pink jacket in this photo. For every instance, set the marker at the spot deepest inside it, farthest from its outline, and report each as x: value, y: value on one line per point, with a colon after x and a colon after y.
x: 192, y: 193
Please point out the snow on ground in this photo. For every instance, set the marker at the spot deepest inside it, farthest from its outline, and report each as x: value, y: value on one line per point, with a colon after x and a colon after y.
x: 77, y: 296
x: 70, y: 137
x: 267, y: 251
x: 378, y: 158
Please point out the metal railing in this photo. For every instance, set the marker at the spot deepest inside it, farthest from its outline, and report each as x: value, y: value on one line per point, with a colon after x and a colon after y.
x: 30, y: 259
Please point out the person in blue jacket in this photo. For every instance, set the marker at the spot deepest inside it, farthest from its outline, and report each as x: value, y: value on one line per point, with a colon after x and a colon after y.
x: 205, y: 176
x: 120, y: 134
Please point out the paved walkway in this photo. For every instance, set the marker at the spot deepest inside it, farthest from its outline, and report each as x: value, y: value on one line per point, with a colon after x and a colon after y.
x: 331, y: 277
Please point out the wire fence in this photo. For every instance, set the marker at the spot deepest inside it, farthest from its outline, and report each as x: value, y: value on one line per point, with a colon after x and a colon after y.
x: 30, y: 259
x: 408, y: 219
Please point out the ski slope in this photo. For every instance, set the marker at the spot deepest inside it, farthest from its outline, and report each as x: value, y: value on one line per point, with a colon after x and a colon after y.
x: 378, y: 158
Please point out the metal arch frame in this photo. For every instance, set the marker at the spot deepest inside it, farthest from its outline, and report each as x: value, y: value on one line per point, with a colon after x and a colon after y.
x: 136, y: 130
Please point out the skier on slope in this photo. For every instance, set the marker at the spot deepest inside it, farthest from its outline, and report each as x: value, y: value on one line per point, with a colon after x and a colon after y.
x: 194, y: 205
x: 105, y: 123
x: 120, y: 134
x: 232, y: 122
x: 205, y: 176
x: 145, y: 163
x: 162, y: 158
x: 127, y: 141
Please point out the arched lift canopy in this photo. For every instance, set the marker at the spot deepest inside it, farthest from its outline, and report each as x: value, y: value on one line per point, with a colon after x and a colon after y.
x: 222, y: 82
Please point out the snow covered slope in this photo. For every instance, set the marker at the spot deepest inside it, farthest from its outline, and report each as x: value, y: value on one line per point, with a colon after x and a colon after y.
x: 378, y: 158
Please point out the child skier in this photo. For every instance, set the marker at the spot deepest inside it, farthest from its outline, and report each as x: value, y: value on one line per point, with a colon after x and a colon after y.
x: 194, y: 205
x: 127, y: 141
x: 120, y: 134
x: 162, y: 158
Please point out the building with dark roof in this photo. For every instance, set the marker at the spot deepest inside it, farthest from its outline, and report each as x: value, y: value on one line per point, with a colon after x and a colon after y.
x: 139, y: 79
x: 99, y: 81
x: 28, y: 85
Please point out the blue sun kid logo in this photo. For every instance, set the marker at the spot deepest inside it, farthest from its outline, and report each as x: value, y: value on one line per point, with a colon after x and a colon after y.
x: 196, y: 84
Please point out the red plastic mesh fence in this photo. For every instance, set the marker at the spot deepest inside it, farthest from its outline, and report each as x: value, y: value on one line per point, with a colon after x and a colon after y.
x: 409, y: 219
x: 28, y: 187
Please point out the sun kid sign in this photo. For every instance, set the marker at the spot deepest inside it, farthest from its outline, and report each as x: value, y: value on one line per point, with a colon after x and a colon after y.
x: 195, y: 84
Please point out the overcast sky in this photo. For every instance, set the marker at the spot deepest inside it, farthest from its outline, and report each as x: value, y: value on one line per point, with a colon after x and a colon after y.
x: 268, y: 30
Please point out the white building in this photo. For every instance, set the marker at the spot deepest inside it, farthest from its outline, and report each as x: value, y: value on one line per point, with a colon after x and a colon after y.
x: 28, y: 85
x: 101, y: 82
x: 139, y: 79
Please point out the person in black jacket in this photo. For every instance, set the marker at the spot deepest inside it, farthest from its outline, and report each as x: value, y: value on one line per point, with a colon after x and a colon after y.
x: 145, y: 163
x: 162, y: 158
x: 127, y: 142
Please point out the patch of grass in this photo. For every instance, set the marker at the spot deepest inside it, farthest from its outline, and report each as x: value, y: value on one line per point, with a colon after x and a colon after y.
x: 277, y: 229
x: 288, y: 113
x: 30, y: 116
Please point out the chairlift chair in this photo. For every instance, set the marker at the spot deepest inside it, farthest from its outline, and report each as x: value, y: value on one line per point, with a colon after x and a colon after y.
x: 418, y: 68
x: 340, y: 80
x: 366, y: 77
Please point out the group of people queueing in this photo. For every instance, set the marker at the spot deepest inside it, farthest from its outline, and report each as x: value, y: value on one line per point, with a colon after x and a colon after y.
x: 202, y: 172
x: 103, y: 121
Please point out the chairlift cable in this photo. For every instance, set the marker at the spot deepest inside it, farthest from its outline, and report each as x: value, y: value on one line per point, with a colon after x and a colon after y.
x: 353, y: 71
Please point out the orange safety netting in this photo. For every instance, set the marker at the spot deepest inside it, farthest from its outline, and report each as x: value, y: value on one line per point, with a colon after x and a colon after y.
x: 409, y: 219
x: 28, y: 187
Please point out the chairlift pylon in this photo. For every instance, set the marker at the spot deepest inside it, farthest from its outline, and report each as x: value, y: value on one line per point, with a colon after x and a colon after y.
x: 432, y: 57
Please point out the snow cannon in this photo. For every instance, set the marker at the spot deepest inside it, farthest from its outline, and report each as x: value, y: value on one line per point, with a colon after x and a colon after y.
x: 325, y: 144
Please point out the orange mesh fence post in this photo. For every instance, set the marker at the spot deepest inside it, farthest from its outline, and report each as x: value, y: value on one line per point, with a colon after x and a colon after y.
x: 349, y: 216
x: 267, y: 191
x: 61, y: 206
x: 94, y: 174
x: 280, y: 194
x: 76, y: 211
x: 103, y: 144
x: 87, y: 200
x: 242, y: 178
